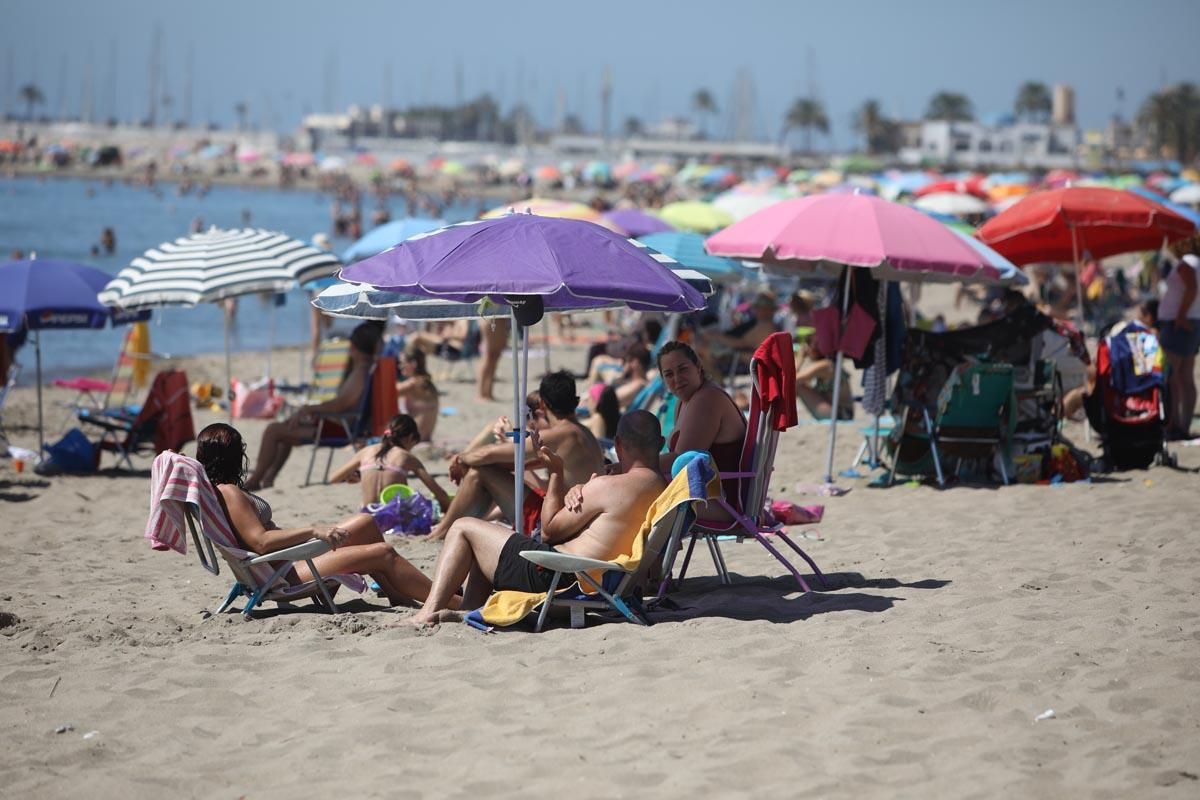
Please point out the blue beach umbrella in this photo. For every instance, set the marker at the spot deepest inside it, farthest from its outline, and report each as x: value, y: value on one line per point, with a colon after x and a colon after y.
x: 688, y: 250
x: 389, y: 235
x: 39, y: 295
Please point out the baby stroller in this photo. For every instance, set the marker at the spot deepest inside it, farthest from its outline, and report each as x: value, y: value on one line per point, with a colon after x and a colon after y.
x: 1126, y: 408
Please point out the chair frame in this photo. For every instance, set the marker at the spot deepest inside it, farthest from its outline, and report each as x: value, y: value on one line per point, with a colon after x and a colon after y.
x: 622, y: 599
x: 758, y: 453
x: 317, y: 589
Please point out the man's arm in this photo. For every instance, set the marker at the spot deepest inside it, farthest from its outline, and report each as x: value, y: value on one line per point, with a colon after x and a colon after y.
x: 559, y: 523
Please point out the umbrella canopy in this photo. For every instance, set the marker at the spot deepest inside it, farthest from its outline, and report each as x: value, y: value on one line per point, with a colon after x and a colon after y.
x: 42, y: 294
x: 389, y: 235
x: 1060, y: 224
x: 952, y: 203
x: 1187, y: 195
x: 636, y: 222
x: 972, y: 185
x: 571, y: 264
x: 688, y: 250
x: 1183, y: 211
x: 359, y: 301
x: 740, y: 205
x: 210, y: 266
x: 1010, y: 274
x: 855, y: 230
x: 560, y: 209
x: 695, y: 216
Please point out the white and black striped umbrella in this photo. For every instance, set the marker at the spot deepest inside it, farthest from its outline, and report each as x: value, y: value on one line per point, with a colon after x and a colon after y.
x: 216, y: 264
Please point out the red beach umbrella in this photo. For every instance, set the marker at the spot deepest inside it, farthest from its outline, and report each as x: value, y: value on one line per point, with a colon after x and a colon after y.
x: 1059, y: 225
x: 972, y: 185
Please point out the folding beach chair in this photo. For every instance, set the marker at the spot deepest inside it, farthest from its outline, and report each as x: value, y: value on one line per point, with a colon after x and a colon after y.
x: 337, y: 430
x: 183, y: 499
x: 619, y: 589
x: 769, y: 414
x: 976, y: 416
x: 164, y: 421
x: 128, y: 375
x: 329, y: 367
x: 619, y: 584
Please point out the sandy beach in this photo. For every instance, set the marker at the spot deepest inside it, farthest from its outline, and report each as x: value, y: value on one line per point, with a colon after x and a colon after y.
x: 956, y: 621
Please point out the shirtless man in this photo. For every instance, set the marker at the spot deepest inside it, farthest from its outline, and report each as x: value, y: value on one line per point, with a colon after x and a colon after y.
x: 485, y: 474
x: 596, y: 520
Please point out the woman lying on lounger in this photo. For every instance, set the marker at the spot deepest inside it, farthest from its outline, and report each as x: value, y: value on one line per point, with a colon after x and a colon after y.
x: 357, y: 544
x: 389, y: 462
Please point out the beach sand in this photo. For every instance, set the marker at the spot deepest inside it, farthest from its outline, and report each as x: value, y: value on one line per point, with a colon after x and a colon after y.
x: 956, y: 618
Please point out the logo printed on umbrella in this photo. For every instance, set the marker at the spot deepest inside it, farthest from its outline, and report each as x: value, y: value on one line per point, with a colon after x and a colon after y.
x: 52, y: 318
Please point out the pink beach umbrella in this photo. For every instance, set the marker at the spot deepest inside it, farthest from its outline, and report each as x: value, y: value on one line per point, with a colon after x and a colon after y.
x: 852, y: 230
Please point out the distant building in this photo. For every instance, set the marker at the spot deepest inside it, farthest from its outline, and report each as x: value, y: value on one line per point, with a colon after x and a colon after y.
x: 1063, y: 108
x: 1006, y: 145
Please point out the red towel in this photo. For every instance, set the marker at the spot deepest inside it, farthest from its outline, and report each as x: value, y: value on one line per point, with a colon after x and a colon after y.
x: 775, y: 375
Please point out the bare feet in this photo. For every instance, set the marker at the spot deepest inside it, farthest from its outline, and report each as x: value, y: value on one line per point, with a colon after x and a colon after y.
x: 423, y: 619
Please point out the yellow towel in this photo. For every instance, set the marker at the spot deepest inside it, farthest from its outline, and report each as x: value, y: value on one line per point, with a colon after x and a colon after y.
x: 508, y: 607
x: 139, y: 348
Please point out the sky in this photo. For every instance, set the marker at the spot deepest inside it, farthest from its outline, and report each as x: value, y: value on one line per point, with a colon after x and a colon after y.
x: 283, y: 59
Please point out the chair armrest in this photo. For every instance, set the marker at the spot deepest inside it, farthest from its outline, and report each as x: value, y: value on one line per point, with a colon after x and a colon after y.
x: 565, y: 562
x: 310, y: 549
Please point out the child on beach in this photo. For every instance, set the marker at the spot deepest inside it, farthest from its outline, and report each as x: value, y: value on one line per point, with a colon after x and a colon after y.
x: 389, y: 462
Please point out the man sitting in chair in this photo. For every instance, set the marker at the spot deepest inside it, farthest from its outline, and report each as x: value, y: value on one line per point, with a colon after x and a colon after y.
x: 485, y: 474
x: 595, y: 520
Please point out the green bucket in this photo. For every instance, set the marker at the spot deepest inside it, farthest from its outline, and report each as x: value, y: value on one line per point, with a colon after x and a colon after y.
x: 395, y: 490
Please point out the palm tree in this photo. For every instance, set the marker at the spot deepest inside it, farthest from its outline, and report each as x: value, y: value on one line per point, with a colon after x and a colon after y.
x: 806, y: 114
x: 240, y: 108
x: 950, y: 106
x: 882, y: 134
x: 704, y: 105
x: 1171, y: 118
x: 32, y: 96
x: 1033, y: 101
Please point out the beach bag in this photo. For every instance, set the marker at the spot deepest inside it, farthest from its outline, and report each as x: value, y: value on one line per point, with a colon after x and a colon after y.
x: 826, y: 322
x: 403, y: 513
x: 785, y: 512
x: 255, y: 402
x: 74, y: 453
x: 860, y: 325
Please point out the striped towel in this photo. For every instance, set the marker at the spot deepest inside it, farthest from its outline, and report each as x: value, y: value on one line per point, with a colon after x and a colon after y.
x: 176, y: 482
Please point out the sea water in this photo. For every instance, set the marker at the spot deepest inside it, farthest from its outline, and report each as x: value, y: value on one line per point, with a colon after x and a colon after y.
x: 63, y: 218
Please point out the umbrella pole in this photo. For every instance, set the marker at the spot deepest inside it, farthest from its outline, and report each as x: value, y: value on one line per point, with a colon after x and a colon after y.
x: 518, y: 426
x: 271, y: 338
x: 1087, y: 428
x: 228, y: 372
x: 837, y: 387
x: 37, y: 353
x: 545, y: 344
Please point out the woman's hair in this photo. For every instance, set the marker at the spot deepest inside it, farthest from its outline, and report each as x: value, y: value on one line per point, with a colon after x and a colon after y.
x: 366, y: 339
x: 609, y: 409
x: 400, y: 428
x: 680, y: 347
x: 222, y: 452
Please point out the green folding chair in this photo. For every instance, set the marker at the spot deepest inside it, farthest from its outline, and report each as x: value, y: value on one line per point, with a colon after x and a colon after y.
x: 976, y: 419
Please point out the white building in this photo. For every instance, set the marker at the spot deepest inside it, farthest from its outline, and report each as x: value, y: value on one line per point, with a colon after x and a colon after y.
x: 1016, y: 145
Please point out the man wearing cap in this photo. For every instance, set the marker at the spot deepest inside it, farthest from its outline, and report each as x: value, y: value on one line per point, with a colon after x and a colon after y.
x: 485, y: 474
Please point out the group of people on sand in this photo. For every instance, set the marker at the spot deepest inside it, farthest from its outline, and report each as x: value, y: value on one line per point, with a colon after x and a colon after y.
x: 577, y: 501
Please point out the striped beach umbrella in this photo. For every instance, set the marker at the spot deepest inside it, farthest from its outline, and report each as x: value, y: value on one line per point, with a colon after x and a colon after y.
x: 216, y: 264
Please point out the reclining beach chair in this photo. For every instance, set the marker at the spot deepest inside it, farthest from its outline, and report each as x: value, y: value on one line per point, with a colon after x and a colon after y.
x: 335, y: 431
x: 164, y: 421
x: 772, y: 409
x: 329, y: 366
x: 976, y: 417
x: 182, y: 500
x: 129, y: 374
x: 618, y: 585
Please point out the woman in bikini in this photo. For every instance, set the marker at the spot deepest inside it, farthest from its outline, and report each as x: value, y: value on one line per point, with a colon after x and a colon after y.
x: 358, y: 547
x: 417, y: 392
x: 707, y: 418
x: 389, y: 462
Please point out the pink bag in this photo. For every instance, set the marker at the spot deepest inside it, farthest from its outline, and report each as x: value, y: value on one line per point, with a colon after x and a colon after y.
x: 261, y: 402
x: 826, y: 322
x: 788, y: 513
x: 857, y: 335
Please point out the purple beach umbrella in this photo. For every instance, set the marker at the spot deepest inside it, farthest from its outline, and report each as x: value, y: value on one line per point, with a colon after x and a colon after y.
x: 637, y: 222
